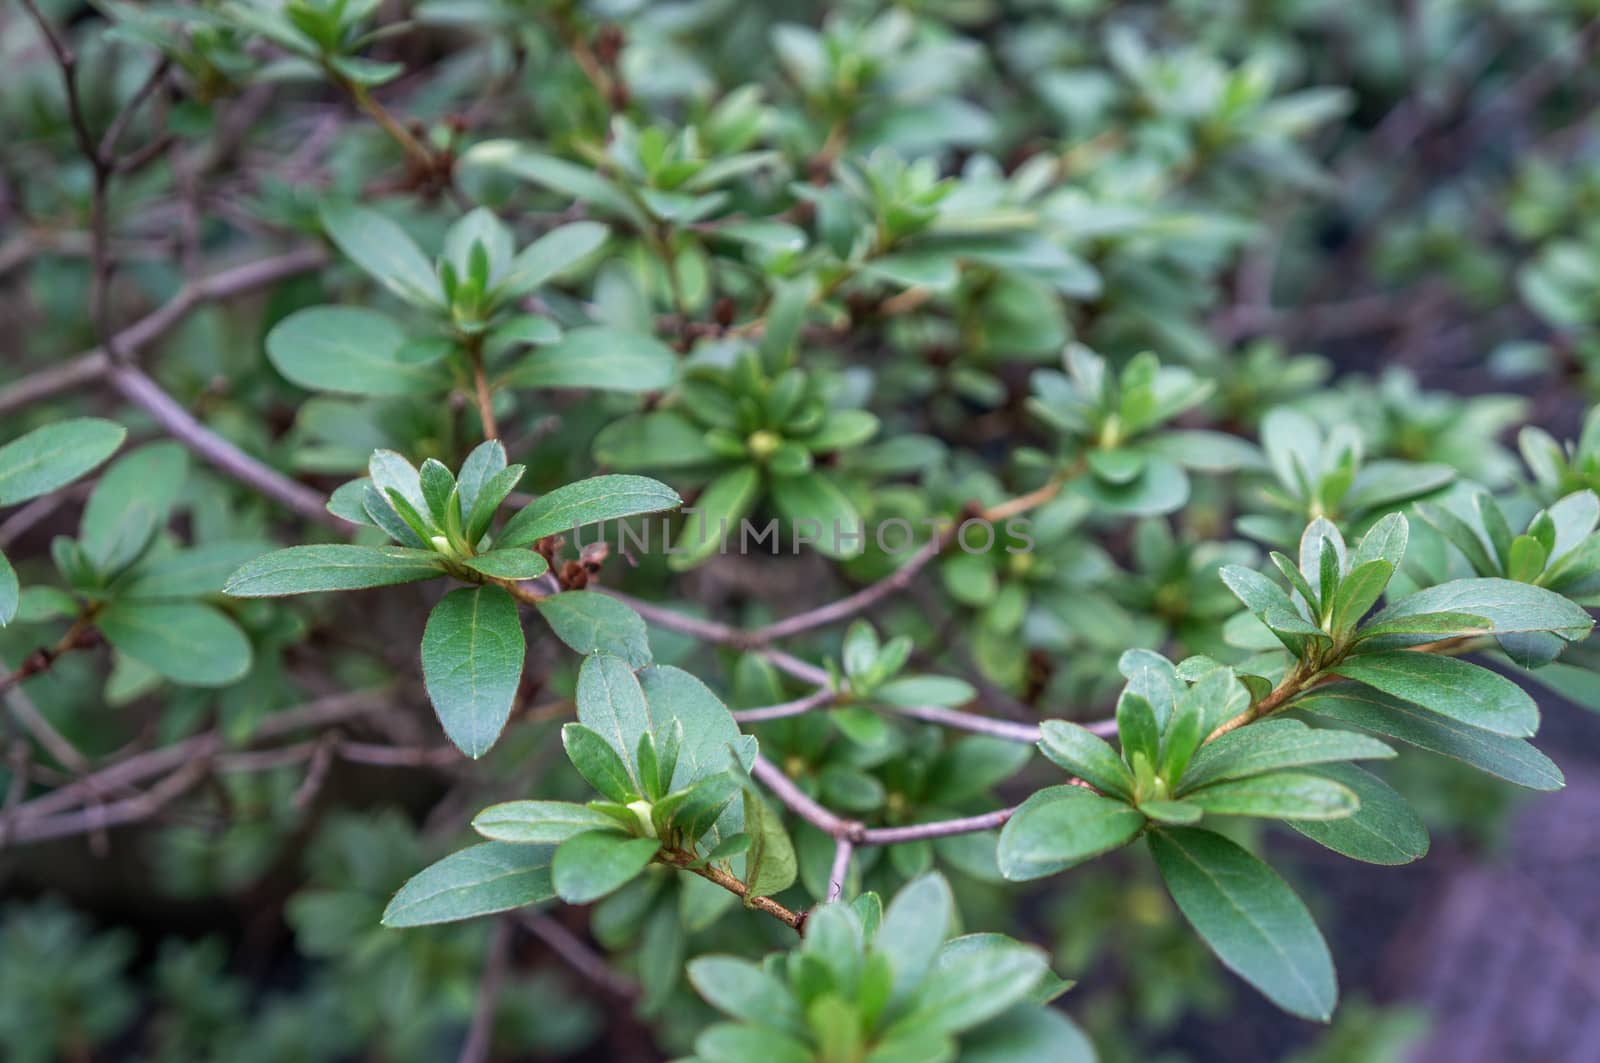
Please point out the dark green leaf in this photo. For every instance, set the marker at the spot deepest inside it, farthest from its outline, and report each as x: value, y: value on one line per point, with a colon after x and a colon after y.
x: 1250, y: 917
x: 538, y: 822
x: 53, y: 456
x: 590, y: 865
x: 1281, y: 795
x: 472, y: 651
x: 591, y: 501
x: 480, y: 880
x: 1448, y: 686
x: 1061, y: 827
x: 308, y: 569
x: 188, y: 643
x: 1384, y: 830
x: 1273, y: 745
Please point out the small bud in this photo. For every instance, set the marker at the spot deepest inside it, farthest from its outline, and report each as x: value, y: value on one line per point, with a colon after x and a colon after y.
x: 641, y: 810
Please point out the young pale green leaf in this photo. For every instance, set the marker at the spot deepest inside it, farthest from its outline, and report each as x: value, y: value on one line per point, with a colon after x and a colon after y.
x: 1358, y: 592
x: 599, y: 358
x: 662, y: 439
x: 590, y: 865
x: 592, y: 501
x: 438, y: 491
x: 598, y: 763
x: 480, y: 880
x: 1137, y: 729
x: 472, y: 651
x: 1280, y: 795
x: 725, y: 1042
x: 487, y: 497
x: 310, y: 569
x: 1274, y: 745
x: 1086, y: 755
x: 611, y: 703
x: 974, y: 978
x: 509, y: 564
x: 1268, y: 602
x: 188, y: 643
x: 349, y: 350
x: 554, y: 252
x: 538, y: 822
x: 914, y: 927
x: 1511, y: 759
x: 1061, y: 827
x: 1249, y: 917
x: 588, y: 621
x: 1179, y: 813
x: 1448, y: 686
x: 1384, y: 830
x: 487, y: 460
x: 1384, y: 541
x: 384, y: 251
x: 53, y: 456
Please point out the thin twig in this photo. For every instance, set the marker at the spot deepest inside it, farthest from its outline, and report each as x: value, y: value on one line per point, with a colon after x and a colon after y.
x: 480, y: 1035
x: 711, y: 873
x: 842, y: 848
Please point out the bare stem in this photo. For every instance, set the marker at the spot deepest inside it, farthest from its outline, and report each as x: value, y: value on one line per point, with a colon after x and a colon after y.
x: 710, y: 872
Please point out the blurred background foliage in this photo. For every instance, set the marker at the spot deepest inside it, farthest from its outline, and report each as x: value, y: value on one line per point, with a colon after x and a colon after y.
x: 1378, y: 214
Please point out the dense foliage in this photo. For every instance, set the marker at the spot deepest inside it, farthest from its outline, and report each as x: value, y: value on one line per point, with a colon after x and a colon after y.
x: 646, y: 479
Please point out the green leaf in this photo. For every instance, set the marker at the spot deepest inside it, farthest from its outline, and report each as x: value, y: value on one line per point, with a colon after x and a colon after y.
x: 1273, y: 745
x: 1384, y: 830
x: 746, y: 991
x: 914, y: 927
x: 588, y: 621
x: 53, y: 456
x: 1086, y: 755
x: 384, y: 251
x: 309, y: 569
x: 559, y: 175
x: 1509, y: 606
x: 554, y: 252
x: 1027, y: 1034
x: 10, y: 591
x: 348, y: 350
x: 611, y: 703
x: 597, y: 357
x: 1281, y: 795
x: 599, y: 764
x: 1061, y: 827
x: 770, y: 863
x: 591, y: 501
x: 438, y: 491
x: 725, y: 1042
x: 590, y: 865
x: 188, y: 643
x: 974, y: 978
x: 131, y: 503
x: 832, y: 520
x: 1433, y: 625
x: 717, y: 512
x: 710, y: 735
x: 480, y: 880
x: 538, y: 822
x: 1511, y: 759
x: 1358, y: 592
x: 1249, y: 917
x: 1448, y: 686
x: 486, y: 500
x: 509, y: 564
x: 472, y: 651
x: 487, y: 461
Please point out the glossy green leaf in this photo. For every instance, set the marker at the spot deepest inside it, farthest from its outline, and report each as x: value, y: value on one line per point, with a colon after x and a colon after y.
x: 1511, y: 759
x: 1278, y: 795
x: 480, y: 880
x: 472, y: 652
x: 1061, y: 827
x: 1274, y: 745
x: 538, y: 822
x: 1249, y: 917
x: 309, y: 569
x: 590, y: 865
x: 1384, y: 830
x: 591, y: 501
x: 1088, y: 756
x: 1448, y: 686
